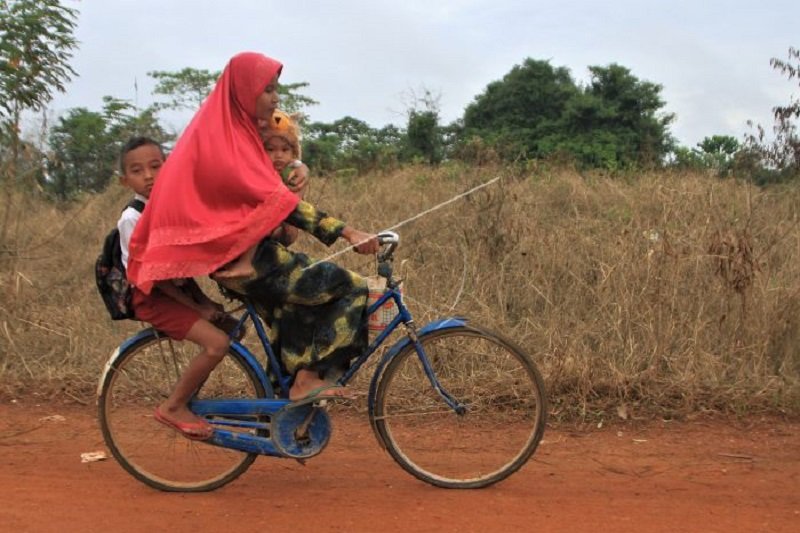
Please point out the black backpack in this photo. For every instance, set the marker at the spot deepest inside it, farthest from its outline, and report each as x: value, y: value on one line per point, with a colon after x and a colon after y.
x: 109, y: 272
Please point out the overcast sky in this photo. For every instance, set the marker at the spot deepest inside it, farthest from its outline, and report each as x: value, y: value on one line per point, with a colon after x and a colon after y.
x: 362, y: 57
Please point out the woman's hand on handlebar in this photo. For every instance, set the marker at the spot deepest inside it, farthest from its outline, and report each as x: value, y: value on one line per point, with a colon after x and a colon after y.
x: 363, y: 243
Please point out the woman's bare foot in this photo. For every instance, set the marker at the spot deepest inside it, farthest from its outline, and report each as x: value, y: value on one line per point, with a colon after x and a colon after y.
x: 239, y: 269
x: 308, y: 382
x: 242, y: 267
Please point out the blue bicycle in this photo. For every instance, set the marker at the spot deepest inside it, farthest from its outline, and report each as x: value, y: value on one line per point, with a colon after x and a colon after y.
x: 454, y: 404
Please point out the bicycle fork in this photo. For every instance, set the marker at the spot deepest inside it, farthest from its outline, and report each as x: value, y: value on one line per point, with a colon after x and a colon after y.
x: 459, y: 408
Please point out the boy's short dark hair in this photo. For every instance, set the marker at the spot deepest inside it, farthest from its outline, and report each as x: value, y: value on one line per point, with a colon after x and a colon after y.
x: 134, y: 143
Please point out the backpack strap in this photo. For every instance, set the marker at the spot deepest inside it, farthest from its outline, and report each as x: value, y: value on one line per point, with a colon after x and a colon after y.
x: 136, y: 204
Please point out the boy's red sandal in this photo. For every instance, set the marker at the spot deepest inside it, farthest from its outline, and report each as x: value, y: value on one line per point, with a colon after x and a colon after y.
x: 190, y: 430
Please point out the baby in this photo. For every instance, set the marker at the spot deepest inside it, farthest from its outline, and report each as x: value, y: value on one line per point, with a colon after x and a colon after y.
x: 282, y: 142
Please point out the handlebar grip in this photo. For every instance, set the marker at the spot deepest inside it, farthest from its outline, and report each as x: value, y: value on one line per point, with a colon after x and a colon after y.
x: 388, y: 237
x: 390, y: 240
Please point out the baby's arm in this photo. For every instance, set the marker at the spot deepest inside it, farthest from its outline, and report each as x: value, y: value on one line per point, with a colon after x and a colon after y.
x: 297, y: 180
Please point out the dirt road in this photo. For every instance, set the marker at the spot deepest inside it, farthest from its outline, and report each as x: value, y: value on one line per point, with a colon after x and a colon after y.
x: 666, y: 476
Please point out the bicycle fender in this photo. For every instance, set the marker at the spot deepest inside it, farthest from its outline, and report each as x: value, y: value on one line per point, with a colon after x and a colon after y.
x: 430, y: 327
x: 127, y: 343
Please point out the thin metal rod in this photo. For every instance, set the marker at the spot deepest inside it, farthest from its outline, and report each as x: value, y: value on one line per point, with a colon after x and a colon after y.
x: 411, y: 219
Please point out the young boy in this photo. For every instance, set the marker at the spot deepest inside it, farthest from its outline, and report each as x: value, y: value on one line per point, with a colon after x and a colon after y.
x: 179, y: 308
x: 282, y: 143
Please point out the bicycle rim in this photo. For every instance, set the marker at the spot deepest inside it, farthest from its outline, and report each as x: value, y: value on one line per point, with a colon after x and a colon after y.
x: 498, y: 384
x: 160, y: 457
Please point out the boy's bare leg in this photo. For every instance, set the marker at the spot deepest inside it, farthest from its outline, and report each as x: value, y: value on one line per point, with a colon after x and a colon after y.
x: 214, y: 343
x: 305, y: 381
x: 241, y: 268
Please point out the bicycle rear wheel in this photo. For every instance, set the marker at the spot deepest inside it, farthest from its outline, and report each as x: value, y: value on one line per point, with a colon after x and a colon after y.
x: 496, y: 382
x: 139, y: 380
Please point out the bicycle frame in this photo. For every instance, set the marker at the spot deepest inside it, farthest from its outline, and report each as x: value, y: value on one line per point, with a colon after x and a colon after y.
x: 272, y: 406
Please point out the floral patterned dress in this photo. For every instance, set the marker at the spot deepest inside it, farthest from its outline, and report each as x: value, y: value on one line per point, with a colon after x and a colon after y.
x: 316, y: 310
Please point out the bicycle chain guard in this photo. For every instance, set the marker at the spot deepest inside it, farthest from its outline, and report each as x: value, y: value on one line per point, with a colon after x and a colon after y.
x: 301, y: 432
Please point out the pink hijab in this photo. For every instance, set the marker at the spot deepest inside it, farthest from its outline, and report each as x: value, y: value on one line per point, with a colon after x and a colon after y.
x: 217, y: 194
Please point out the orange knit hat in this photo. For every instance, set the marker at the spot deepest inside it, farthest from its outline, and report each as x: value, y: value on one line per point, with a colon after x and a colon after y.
x: 284, y: 127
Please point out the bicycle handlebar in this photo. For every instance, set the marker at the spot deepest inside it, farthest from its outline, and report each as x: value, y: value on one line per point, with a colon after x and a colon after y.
x: 389, y: 240
x: 388, y: 237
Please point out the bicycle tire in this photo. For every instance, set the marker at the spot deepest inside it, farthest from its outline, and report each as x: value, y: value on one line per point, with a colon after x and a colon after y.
x: 497, y: 382
x: 137, y: 381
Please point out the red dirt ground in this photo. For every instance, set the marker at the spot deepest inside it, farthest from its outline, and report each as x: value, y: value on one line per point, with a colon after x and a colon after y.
x: 666, y: 476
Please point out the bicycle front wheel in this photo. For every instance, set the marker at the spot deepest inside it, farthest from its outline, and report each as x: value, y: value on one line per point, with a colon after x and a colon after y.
x: 504, y: 400
x: 138, y: 381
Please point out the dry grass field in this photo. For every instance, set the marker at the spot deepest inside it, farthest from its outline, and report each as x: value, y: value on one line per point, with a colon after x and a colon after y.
x: 656, y: 295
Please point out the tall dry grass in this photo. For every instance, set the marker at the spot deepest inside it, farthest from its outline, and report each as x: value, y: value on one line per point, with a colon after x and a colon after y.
x: 663, y: 294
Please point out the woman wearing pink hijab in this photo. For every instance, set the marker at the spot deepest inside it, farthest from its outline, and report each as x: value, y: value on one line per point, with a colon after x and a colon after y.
x: 217, y: 196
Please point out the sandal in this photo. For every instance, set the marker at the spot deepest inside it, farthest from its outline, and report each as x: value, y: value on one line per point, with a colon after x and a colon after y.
x: 190, y: 430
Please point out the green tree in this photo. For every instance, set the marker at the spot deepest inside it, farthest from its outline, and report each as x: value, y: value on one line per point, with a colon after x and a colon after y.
x: 537, y: 110
x: 349, y: 143
x: 376, y: 149
x: 85, y: 145
x: 521, y: 113
x: 125, y: 121
x: 293, y: 102
x: 185, y: 89
x: 718, y: 153
x: 635, y: 109
x: 423, y: 136
x: 616, y: 122
x: 388, y: 143
x: 722, y: 146
x: 685, y: 158
x: 423, y: 133
x: 329, y: 147
x: 36, y: 44
x: 82, y: 153
x: 321, y: 152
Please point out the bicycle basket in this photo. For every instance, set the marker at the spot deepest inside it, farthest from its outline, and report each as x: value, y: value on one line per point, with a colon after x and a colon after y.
x: 386, y: 312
